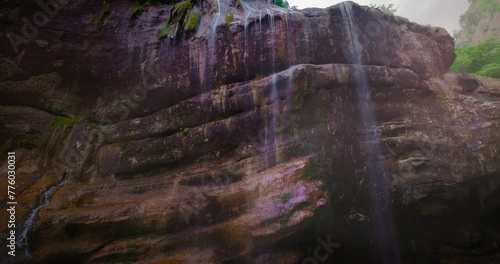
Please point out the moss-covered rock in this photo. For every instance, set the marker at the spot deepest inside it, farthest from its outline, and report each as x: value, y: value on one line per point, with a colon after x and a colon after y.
x: 181, y: 20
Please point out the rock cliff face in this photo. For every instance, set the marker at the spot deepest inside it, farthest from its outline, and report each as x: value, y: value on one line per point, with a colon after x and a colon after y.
x: 480, y: 22
x: 242, y: 138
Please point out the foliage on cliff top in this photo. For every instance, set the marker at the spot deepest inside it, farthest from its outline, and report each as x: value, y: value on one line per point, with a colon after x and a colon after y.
x: 479, y: 16
x: 482, y: 59
x: 388, y: 9
x: 283, y: 3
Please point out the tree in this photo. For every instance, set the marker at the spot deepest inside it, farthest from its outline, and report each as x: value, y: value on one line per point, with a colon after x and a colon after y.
x: 283, y: 3
x: 388, y: 9
x: 490, y: 70
x: 482, y: 59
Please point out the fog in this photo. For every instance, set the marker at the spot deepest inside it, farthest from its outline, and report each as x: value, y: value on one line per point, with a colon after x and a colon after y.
x: 442, y: 13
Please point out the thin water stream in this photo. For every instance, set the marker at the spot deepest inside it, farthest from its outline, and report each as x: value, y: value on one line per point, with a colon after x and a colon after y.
x: 30, y: 221
x: 377, y: 173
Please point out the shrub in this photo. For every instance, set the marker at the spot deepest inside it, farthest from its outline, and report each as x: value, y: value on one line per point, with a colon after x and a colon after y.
x: 482, y: 59
x: 177, y: 19
x: 283, y: 3
x: 388, y: 9
x: 490, y: 70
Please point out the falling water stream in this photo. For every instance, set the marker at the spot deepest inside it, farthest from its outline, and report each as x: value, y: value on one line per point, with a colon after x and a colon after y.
x: 212, y: 50
x: 250, y: 9
x: 217, y: 16
x: 271, y: 142
x: 289, y: 87
x: 30, y: 221
x: 378, y: 180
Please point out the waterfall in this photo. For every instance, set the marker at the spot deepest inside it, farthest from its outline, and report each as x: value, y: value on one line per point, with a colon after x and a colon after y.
x: 271, y: 25
x: 212, y: 50
x: 378, y: 179
x: 275, y: 111
x: 289, y: 86
x: 245, y: 52
x: 30, y: 221
x: 217, y: 16
x: 248, y: 10
x: 255, y: 10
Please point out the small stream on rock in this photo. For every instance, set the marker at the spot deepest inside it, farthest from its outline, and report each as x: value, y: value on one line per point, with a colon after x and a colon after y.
x: 211, y: 50
x: 30, y: 221
x: 252, y: 9
x: 377, y: 173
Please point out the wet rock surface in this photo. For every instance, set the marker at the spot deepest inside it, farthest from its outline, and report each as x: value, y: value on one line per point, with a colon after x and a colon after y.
x: 246, y: 145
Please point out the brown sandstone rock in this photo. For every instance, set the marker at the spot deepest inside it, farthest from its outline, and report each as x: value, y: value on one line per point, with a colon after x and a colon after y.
x: 227, y: 159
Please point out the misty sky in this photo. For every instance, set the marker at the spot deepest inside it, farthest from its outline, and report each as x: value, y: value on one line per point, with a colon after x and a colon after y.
x: 443, y: 13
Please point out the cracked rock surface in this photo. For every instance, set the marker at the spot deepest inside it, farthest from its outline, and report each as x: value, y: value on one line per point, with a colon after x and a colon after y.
x: 244, y: 144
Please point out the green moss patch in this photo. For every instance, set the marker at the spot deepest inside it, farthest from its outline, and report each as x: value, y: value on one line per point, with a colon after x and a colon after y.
x: 193, y: 22
x: 229, y: 18
x: 106, y: 9
x: 59, y: 128
x: 286, y: 197
x: 181, y: 19
x: 65, y: 121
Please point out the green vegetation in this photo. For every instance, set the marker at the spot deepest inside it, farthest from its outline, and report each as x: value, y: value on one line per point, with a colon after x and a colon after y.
x: 478, y: 17
x: 140, y: 5
x: 164, y: 32
x: 106, y: 9
x: 194, y: 21
x: 178, y: 18
x: 284, y: 219
x: 229, y: 18
x: 184, y: 130
x: 286, y: 197
x: 388, y: 9
x: 59, y: 127
x: 283, y: 3
x: 490, y: 70
x: 491, y: 6
x: 136, y: 13
x: 65, y: 121
x: 283, y: 199
x: 183, y: 7
x: 482, y: 59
